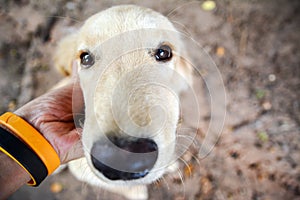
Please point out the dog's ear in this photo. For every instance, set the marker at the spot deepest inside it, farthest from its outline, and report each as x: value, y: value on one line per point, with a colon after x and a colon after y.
x: 185, y: 69
x: 65, y: 54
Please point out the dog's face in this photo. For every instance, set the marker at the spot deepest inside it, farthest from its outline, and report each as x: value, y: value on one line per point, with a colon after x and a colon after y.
x: 131, y: 72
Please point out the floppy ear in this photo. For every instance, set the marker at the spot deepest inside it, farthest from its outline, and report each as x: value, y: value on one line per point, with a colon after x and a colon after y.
x: 65, y: 53
x: 185, y: 69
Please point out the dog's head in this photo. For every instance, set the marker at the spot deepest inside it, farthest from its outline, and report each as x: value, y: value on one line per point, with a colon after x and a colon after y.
x: 131, y: 72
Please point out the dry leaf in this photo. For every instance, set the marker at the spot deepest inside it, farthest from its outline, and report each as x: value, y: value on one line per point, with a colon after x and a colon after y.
x: 56, y: 187
x: 220, y: 51
x: 208, y: 5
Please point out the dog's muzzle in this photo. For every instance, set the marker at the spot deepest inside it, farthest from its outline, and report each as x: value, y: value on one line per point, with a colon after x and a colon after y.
x: 124, y: 158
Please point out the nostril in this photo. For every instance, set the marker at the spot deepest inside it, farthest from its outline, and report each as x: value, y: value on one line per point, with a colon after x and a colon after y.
x: 124, y: 158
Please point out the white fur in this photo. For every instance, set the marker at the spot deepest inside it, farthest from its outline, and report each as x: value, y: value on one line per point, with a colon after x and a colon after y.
x: 122, y: 90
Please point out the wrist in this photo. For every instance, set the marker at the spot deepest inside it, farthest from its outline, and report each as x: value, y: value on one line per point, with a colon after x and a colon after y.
x: 33, y: 115
x: 12, y: 176
x: 27, y: 147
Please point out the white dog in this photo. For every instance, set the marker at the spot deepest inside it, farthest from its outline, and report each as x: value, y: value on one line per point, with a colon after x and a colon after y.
x: 131, y: 70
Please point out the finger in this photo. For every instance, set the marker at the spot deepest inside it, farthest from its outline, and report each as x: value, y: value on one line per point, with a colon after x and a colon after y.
x: 77, y: 99
x: 74, y: 69
x: 75, y: 150
x: 77, y: 96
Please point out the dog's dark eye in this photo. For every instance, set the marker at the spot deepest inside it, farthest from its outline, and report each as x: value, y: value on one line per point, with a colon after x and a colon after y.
x: 86, y: 59
x: 163, y: 53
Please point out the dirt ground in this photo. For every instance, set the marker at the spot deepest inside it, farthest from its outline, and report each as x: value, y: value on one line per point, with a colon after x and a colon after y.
x: 256, y: 46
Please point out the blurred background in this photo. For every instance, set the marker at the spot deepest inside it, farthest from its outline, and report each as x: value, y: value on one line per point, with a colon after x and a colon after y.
x: 256, y: 46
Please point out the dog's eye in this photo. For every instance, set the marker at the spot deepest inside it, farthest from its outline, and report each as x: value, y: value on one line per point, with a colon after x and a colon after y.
x: 163, y: 53
x: 86, y: 59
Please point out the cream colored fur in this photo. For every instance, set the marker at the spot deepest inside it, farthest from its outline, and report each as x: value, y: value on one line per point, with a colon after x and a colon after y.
x: 118, y: 89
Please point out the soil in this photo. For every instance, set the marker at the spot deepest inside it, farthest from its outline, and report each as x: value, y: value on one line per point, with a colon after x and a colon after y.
x: 256, y: 46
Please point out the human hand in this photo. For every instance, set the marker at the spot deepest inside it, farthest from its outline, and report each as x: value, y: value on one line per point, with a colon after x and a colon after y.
x: 52, y: 115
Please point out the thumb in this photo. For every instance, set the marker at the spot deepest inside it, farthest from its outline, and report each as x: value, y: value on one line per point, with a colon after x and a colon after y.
x: 73, y: 150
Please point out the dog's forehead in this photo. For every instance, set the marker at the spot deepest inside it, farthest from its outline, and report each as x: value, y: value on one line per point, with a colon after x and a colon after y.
x: 116, y: 20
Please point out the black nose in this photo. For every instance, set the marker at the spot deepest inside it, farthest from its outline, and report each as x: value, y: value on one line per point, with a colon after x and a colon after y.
x: 124, y: 158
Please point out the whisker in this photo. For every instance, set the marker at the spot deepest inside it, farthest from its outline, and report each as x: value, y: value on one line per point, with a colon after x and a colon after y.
x: 186, y: 164
x: 189, y: 151
x: 181, y: 179
x: 189, y: 138
x: 183, y: 28
x: 181, y: 149
x: 177, y: 8
x: 185, y: 136
x: 84, y: 186
x: 64, y: 17
x: 157, y: 181
x: 166, y: 182
x: 85, y: 169
x: 196, y: 159
x: 172, y: 13
x: 187, y: 131
x: 180, y: 137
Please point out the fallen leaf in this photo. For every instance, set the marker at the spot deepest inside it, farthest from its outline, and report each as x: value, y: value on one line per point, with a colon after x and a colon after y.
x: 260, y: 94
x: 56, y: 187
x: 206, y: 185
x: 272, y: 77
x: 208, y: 5
x: 220, y: 51
x: 267, y: 105
x: 188, y: 170
x: 12, y: 105
x: 263, y: 136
